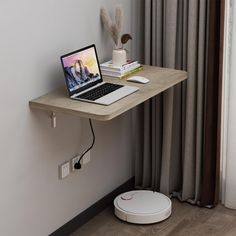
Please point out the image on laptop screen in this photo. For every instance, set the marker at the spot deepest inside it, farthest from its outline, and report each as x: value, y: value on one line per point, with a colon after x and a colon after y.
x: 81, y: 68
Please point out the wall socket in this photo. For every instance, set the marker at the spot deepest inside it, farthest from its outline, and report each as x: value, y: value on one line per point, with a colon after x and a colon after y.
x: 86, y: 158
x: 84, y: 161
x: 64, y: 170
x: 73, y: 161
x: 67, y: 167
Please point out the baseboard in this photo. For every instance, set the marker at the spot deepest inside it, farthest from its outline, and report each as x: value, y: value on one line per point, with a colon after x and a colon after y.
x: 93, y: 210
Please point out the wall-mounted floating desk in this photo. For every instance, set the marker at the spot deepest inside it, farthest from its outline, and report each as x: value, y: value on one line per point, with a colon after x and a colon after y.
x: 160, y: 80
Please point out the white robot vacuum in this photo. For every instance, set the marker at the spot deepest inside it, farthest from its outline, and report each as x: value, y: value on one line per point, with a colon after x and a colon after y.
x: 142, y: 207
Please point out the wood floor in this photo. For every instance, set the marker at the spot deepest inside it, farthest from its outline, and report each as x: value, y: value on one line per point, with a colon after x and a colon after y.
x: 185, y: 220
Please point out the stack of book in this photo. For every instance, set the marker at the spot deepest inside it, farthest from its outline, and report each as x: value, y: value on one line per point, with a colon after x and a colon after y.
x: 109, y: 69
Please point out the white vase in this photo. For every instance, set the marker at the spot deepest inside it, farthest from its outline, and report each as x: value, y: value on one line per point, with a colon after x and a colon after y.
x: 119, y: 57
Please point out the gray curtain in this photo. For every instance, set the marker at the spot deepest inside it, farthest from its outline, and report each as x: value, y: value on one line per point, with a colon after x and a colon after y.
x: 169, y: 141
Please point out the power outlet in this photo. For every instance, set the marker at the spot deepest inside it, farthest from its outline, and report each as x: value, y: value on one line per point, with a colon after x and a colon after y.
x: 64, y: 170
x: 86, y: 158
x: 73, y: 161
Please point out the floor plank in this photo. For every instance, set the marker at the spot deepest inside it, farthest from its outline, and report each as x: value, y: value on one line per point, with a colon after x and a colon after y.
x: 185, y: 220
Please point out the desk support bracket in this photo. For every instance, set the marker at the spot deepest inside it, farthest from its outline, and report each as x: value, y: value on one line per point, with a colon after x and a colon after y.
x: 53, y: 120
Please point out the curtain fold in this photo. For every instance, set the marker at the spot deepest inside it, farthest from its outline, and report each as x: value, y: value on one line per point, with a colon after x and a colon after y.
x: 170, y: 140
x: 210, y: 189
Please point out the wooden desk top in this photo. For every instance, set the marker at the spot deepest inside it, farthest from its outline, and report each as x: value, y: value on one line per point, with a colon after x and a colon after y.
x: 160, y: 80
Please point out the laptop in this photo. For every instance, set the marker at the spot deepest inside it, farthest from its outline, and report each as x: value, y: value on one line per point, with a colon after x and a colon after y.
x: 84, y: 79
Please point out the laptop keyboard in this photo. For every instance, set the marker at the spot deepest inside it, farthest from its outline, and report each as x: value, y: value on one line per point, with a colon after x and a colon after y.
x: 100, y: 91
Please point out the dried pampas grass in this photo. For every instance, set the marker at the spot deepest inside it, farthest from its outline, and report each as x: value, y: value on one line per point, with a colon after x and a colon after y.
x: 114, y: 29
x: 119, y: 19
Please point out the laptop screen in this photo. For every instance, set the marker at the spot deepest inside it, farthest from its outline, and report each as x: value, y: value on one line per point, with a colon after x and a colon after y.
x: 81, y: 69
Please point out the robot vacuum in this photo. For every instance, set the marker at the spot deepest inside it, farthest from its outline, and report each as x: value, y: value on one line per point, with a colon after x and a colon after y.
x: 142, y: 207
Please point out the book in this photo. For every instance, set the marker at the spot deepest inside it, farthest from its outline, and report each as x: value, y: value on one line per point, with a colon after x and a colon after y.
x: 109, y: 65
x: 125, y: 74
x: 119, y: 73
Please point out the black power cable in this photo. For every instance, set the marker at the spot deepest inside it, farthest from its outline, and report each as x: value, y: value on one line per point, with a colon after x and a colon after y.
x: 77, y: 165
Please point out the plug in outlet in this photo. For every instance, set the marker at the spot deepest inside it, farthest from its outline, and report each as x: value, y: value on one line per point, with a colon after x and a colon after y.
x: 64, y: 170
x: 86, y: 158
x: 73, y: 161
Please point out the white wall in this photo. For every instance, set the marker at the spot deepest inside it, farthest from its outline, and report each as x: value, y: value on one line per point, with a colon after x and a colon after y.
x: 33, y: 36
x: 229, y: 110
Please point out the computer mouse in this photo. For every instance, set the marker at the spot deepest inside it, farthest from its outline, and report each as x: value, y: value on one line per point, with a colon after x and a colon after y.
x: 138, y: 79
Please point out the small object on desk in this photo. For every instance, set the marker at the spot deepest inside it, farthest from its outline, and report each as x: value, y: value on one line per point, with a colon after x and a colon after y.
x: 122, y: 71
x: 123, y: 74
x: 130, y: 64
x: 138, y: 79
x: 119, y: 57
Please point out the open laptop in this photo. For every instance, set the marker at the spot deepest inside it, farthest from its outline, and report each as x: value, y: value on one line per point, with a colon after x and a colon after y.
x: 84, y: 79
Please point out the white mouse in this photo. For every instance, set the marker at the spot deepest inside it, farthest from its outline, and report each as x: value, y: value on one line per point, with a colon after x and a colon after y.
x: 138, y: 79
